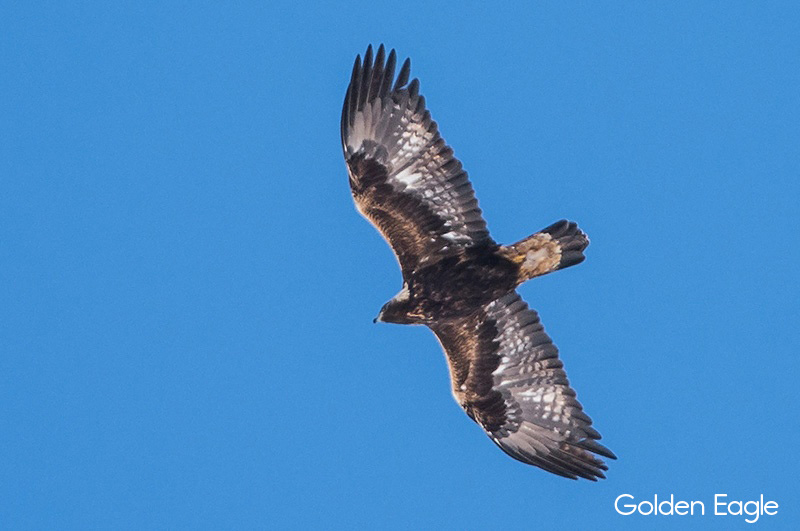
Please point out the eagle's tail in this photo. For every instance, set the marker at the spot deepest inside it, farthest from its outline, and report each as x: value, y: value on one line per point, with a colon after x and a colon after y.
x: 558, y: 246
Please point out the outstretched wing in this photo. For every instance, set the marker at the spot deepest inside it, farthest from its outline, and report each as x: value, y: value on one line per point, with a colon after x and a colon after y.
x: 403, y: 176
x: 507, y: 376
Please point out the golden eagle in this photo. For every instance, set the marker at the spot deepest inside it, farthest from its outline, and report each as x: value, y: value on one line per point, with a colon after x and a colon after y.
x: 458, y: 281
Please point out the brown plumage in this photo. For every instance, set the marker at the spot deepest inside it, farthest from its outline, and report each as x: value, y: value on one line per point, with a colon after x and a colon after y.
x: 457, y: 280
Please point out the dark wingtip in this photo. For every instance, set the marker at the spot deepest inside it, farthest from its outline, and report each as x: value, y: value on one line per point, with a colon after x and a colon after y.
x: 391, y: 60
x: 413, y: 88
x: 402, y: 77
x: 593, y: 446
x: 379, y: 57
x: 386, y: 84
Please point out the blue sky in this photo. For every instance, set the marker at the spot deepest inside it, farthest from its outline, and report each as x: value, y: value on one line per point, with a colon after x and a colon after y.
x: 188, y: 292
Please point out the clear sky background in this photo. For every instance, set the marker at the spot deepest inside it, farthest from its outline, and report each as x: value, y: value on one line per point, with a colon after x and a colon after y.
x: 186, y: 334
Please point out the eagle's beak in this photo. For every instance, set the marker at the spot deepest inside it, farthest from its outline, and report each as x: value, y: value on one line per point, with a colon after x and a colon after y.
x: 378, y: 318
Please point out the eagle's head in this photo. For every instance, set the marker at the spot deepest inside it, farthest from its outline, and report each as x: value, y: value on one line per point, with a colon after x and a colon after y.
x: 401, y: 309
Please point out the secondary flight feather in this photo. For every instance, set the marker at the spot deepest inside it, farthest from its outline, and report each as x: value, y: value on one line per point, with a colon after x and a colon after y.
x: 504, y: 369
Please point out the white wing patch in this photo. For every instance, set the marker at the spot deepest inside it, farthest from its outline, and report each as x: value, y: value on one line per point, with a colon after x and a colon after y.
x: 408, y: 178
x: 454, y: 236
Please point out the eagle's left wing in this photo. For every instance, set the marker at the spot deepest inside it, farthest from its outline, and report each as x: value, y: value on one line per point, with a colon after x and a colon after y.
x: 403, y: 176
x: 507, y: 376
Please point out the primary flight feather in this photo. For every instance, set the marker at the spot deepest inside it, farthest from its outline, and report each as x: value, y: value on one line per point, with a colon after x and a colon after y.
x: 457, y: 280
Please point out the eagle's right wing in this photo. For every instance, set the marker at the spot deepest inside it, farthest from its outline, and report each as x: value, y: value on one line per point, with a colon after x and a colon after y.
x: 507, y: 376
x: 403, y: 176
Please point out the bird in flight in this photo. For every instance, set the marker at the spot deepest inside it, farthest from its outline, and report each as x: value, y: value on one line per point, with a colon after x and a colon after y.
x: 504, y: 369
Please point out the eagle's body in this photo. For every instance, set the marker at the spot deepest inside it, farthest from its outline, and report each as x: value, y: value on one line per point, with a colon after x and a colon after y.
x: 458, y: 281
x: 452, y: 287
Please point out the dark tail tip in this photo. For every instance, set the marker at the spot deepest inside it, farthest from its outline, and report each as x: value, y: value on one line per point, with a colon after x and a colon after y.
x: 571, y: 258
x: 572, y: 240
